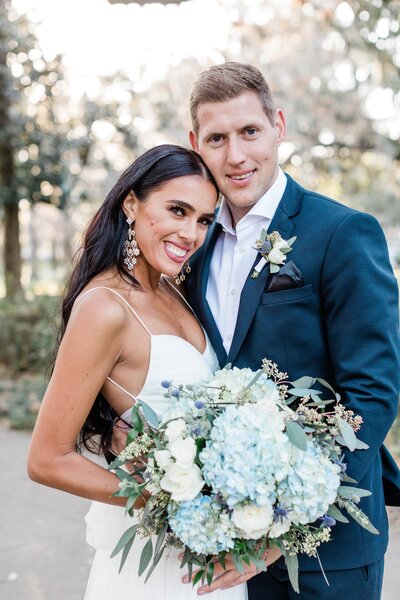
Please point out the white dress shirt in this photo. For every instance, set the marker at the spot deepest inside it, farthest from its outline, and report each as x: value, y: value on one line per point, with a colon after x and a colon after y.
x: 234, y: 255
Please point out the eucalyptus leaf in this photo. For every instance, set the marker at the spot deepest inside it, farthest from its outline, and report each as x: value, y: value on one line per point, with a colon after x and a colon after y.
x: 263, y: 235
x: 292, y: 564
x: 360, y: 517
x: 131, y: 501
x: 296, y: 435
x: 255, y: 378
x: 150, y: 415
x: 125, y: 553
x: 132, y: 435
x: 292, y: 240
x: 325, y: 384
x: 290, y: 400
x: 124, y: 539
x: 360, y: 445
x: 335, y: 513
x: 117, y: 462
x: 347, y: 433
x: 238, y: 563
x: 300, y: 392
x: 160, y: 537
x: 145, y: 557
x: 304, y: 382
x: 137, y: 422
x: 349, y: 492
x: 274, y: 268
x: 156, y: 560
x: 346, y: 479
x: 258, y: 562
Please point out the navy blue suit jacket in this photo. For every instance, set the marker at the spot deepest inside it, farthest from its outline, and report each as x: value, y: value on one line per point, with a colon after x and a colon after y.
x: 341, y: 325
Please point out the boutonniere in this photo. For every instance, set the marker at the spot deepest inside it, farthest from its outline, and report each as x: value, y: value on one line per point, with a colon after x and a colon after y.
x: 273, y: 249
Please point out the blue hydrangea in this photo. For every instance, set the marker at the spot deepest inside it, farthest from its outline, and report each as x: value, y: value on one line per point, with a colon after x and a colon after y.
x: 201, y: 525
x: 247, y: 454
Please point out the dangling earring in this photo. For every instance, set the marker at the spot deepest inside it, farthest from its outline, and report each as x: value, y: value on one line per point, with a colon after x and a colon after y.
x: 181, y: 276
x: 131, y: 248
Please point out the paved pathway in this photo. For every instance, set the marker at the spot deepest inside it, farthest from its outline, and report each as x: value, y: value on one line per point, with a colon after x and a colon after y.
x: 43, y: 554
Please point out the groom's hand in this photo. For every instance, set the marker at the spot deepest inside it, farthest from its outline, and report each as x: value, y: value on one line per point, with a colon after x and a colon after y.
x: 229, y: 577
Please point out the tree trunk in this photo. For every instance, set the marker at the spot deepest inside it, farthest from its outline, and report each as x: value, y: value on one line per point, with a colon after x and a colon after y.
x: 12, y: 251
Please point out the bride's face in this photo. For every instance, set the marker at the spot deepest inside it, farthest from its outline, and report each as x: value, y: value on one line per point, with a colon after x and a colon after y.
x: 172, y: 222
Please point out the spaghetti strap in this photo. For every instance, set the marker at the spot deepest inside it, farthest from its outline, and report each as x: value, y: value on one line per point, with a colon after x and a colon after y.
x: 179, y: 294
x: 102, y: 287
x: 122, y: 389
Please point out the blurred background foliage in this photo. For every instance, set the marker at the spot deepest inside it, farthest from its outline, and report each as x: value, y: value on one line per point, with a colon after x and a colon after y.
x: 333, y: 67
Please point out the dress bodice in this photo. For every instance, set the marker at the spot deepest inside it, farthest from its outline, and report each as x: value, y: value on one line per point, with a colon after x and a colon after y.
x: 173, y: 359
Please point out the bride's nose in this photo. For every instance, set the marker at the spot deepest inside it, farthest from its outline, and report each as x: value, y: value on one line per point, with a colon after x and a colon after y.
x: 188, y: 231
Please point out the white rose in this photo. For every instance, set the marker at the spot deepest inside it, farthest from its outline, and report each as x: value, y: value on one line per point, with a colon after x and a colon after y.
x: 281, y: 244
x: 253, y: 521
x: 163, y: 458
x: 183, y: 451
x: 175, y: 429
x: 279, y: 528
x: 276, y: 256
x: 182, y: 483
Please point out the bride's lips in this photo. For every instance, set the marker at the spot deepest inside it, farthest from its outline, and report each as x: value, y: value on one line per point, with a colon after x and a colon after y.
x: 241, y: 178
x: 176, y: 252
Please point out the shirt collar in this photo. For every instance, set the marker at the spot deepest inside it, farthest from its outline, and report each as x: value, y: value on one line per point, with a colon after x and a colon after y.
x: 265, y: 207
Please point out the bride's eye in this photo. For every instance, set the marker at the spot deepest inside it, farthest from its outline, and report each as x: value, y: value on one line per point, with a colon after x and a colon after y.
x: 178, y: 210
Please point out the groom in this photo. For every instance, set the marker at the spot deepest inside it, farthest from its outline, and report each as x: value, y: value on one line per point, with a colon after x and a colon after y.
x: 331, y: 311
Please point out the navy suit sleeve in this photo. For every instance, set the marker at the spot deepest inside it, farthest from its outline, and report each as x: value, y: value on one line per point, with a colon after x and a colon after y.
x: 360, y: 300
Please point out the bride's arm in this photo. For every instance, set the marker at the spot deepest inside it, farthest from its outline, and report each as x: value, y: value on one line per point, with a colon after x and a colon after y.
x: 91, y: 346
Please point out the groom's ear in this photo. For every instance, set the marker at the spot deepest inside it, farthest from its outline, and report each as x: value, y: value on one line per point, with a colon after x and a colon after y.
x: 193, y: 141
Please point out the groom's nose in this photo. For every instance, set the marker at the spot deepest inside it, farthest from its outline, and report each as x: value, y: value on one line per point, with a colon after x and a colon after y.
x: 236, y: 154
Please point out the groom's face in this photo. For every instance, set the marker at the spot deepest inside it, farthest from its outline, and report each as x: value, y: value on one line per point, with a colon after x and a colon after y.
x: 239, y: 144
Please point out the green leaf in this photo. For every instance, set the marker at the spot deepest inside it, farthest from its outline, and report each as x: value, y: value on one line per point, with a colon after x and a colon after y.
x: 132, y: 435
x: 255, y: 378
x: 210, y: 572
x: 360, y: 517
x: 137, y: 422
x: 131, y: 501
x: 300, y: 392
x: 335, y: 513
x: 150, y: 415
x: 190, y: 570
x: 160, y: 538
x: 258, y: 562
x: 124, y: 539
x: 198, y: 576
x: 361, y: 445
x: 296, y: 435
x: 238, y: 563
x: 263, y: 235
x: 155, y: 563
x: 346, y: 479
x: 145, y: 557
x: 348, y: 492
x: 274, y: 268
x: 304, y: 382
x: 125, y: 553
x: 347, y: 433
x: 222, y: 561
x: 292, y: 240
x: 326, y: 384
x: 292, y: 564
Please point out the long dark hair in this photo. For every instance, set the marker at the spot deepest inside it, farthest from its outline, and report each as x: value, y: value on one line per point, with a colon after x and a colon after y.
x: 102, y: 249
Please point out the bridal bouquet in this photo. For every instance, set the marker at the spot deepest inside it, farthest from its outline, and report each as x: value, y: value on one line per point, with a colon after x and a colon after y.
x: 238, y: 463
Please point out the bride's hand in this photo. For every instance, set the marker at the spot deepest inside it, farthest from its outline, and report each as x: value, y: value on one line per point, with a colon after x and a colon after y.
x: 230, y: 576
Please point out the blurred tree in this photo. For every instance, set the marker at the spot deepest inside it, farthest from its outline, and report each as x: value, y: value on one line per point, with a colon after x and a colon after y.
x: 31, y: 142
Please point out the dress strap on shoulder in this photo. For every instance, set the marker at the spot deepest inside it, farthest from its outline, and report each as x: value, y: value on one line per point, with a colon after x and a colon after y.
x: 102, y: 287
x: 122, y: 389
x: 174, y: 289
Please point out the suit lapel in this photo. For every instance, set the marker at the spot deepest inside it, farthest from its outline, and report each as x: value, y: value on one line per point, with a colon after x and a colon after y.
x: 253, y: 288
x: 204, y: 312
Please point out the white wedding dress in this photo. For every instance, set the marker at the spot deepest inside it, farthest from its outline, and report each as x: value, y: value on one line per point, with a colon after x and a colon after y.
x: 171, y: 358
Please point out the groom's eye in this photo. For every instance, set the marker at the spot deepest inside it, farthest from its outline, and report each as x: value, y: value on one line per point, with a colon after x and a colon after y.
x: 215, y: 139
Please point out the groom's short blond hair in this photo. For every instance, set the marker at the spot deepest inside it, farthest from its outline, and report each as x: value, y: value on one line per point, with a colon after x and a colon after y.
x: 229, y: 80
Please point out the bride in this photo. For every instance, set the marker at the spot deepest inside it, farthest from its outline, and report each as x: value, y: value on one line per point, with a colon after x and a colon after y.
x: 124, y: 329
